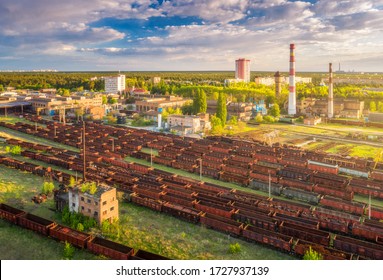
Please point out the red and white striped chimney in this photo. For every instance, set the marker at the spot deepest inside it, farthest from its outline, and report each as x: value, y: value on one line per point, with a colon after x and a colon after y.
x: 292, y: 109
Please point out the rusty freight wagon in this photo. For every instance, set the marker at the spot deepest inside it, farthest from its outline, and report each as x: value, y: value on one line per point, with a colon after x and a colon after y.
x: 10, y: 214
x: 221, y: 224
x: 74, y: 237
x: 109, y: 249
x: 276, y: 240
x: 36, y: 223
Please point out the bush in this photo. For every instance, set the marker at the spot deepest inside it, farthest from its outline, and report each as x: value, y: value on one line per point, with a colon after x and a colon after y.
x: 68, y: 251
x: 259, y: 119
x: 269, y: 119
x: 48, y: 188
x: 312, y: 255
x: 234, y: 248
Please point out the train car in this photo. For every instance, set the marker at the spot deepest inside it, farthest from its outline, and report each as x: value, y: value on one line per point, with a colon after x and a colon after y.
x: 376, y: 213
x: 275, y: 189
x: 110, y: 249
x: 257, y: 219
x: 74, y: 237
x: 215, y: 209
x: 182, y: 212
x: 342, y: 205
x: 147, y: 202
x: 145, y: 255
x: 354, y: 172
x: 322, y: 167
x: 10, y: 214
x: 222, y: 224
x: 310, y: 197
x: 276, y: 240
x: 328, y: 253
x: 368, y: 231
x: 300, y: 221
x: 355, y: 246
x: 296, y: 184
x: 309, y: 234
x: 377, y: 175
x: 35, y: 223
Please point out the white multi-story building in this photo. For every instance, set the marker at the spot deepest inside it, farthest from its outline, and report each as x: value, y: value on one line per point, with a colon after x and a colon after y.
x: 115, y: 84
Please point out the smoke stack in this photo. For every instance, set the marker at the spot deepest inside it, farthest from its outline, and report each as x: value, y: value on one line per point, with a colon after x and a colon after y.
x: 292, y: 109
x: 330, y: 112
x: 278, y: 87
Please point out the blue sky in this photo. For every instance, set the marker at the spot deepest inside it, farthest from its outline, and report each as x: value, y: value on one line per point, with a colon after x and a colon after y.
x: 145, y: 35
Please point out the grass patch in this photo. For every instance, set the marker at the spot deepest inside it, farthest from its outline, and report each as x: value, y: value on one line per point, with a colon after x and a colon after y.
x: 158, y: 233
x: 9, y: 133
x: 365, y: 151
x: 22, y: 244
x: 149, y: 151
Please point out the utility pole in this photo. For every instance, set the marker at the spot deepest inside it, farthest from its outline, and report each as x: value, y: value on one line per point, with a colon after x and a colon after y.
x: 35, y: 126
x: 83, y: 149
x: 369, y: 206
x: 112, y: 144
x: 269, y: 185
x: 200, y: 169
x: 151, y: 156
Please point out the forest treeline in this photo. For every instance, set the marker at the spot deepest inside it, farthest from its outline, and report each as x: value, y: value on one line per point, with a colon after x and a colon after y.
x: 188, y: 83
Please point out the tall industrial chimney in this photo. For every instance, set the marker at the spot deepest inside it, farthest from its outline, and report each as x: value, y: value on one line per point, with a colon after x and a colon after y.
x: 330, y: 112
x: 292, y: 109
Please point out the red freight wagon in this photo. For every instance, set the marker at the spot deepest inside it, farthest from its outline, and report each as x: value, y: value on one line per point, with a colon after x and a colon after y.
x: 9, y: 213
x: 322, y: 167
x: 273, y: 239
x: 76, y: 238
x: 221, y: 223
x: 109, y: 249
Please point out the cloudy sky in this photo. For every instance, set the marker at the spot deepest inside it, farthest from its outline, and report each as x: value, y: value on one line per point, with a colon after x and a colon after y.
x: 145, y: 35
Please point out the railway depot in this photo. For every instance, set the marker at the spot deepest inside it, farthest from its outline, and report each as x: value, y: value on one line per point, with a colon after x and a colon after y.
x: 323, y: 213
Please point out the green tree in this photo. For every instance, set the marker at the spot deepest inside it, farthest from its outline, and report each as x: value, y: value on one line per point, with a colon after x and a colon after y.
x: 68, y: 251
x: 48, y: 188
x: 216, y: 125
x: 203, y: 102
x: 380, y: 107
x: 104, y: 99
x: 274, y: 110
x: 93, y: 188
x: 72, y: 181
x: 187, y: 109
x: 372, y: 106
x: 259, y: 118
x: 310, y: 254
x: 221, y: 108
x: 112, y: 101
x: 80, y: 227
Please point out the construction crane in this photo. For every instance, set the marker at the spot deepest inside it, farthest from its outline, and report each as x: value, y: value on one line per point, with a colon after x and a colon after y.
x: 378, y: 157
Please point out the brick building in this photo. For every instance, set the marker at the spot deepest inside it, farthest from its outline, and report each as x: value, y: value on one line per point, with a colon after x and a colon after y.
x: 102, y: 205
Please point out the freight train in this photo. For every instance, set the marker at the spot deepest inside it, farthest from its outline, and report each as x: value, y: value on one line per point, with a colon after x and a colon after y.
x: 94, y: 244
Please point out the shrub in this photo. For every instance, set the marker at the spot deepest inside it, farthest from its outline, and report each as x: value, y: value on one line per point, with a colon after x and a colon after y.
x: 234, y: 248
x: 68, y: 251
x: 48, y: 188
x: 312, y: 255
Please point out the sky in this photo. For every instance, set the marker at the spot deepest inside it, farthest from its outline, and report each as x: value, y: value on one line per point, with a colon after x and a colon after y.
x: 190, y: 35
